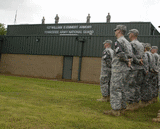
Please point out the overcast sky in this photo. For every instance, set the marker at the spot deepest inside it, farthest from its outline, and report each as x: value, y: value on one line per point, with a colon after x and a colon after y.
x: 76, y: 11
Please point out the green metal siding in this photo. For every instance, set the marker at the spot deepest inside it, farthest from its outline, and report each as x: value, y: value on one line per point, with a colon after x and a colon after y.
x: 100, y: 29
x: 62, y: 46
x: 47, y: 45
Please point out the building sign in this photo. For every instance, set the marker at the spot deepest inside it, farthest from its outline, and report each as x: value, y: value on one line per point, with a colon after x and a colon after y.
x: 69, y: 30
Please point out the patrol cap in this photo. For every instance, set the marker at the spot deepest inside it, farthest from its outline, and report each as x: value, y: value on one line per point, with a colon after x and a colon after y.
x: 134, y: 31
x: 121, y: 27
x: 107, y: 41
x: 147, y: 45
x: 154, y: 47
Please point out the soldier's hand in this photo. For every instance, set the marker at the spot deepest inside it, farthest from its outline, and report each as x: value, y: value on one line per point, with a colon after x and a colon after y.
x: 146, y: 72
x: 129, y: 63
x: 141, y: 61
x: 152, y: 70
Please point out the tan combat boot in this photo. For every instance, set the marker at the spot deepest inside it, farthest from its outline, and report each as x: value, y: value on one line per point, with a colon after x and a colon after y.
x: 136, y: 106
x: 150, y: 101
x: 158, y: 117
x: 143, y: 104
x: 155, y: 100
x: 104, y: 99
x: 113, y: 112
x: 130, y: 107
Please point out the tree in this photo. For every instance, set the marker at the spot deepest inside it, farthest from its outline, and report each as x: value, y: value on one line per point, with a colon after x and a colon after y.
x: 3, y: 30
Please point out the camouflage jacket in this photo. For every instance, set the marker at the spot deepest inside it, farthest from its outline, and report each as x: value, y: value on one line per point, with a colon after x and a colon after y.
x: 145, y: 63
x: 138, y: 52
x: 156, y: 62
x: 122, y: 54
x: 106, y: 61
x: 150, y: 60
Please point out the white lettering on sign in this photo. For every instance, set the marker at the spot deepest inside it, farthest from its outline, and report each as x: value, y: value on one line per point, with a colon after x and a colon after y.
x: 75, y: 32
x: 54, y: 27
x: 67, y: 29
x: 63, y: 32
x: 51, y: 32
x: 85, y: 27
x: 70, y: 27
x: 88, y: 31
x: 68, y: 34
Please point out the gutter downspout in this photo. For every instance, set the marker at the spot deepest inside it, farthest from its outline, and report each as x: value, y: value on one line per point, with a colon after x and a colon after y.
x: 82, y: 40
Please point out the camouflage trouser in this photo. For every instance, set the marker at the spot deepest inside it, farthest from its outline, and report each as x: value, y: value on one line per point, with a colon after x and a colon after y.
x: 159, y: 93
x: 117, y: 90
x: 139, y: 85
x: 105, y: 84
x: 131, y: 89
x: 154, y: 85
x: 159, y: 84
x: 146, y: 93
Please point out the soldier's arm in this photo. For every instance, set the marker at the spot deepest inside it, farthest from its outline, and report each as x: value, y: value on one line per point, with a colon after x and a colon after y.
x: 136, y: 58
x: 156, y: 60
x: 155, y: 68
x: 121, y: 53
x: 145, y: 63
x: 150, y: 62
x: 106, y: 55
x: 107, y: 58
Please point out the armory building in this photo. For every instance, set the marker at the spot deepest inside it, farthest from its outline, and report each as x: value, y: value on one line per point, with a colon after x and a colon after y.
x: 63, y: 51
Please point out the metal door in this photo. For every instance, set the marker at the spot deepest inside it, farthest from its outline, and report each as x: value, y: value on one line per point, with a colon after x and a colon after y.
x: 67, y: 67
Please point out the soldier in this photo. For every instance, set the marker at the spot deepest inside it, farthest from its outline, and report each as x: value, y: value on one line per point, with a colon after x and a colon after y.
x: 145, y: 89
x: 121, y: 64
x: 158, y: 116
x: 106, y: 71
x: 56, y: 19
x: 43, y: 20
x: 136, y: 74
x: 150, y: 70
x: 108, y: 18
x: 155, y: 74
x: 88, y: 18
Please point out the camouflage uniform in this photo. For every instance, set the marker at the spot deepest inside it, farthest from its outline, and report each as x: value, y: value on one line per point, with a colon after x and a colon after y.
x: 150, y: 60
x: 106, y: 71
x: 155, y: 74
x: 159, y: 76
x: 145, y: 89
x: 120, y: 70
x: 137, y: 72
x: 158, y: 115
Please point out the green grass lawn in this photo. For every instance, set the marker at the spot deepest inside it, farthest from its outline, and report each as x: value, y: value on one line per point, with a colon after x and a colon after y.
x: 46, y: 104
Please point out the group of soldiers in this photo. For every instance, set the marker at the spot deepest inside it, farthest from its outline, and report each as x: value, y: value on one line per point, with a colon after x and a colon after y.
x: 130, y: 73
